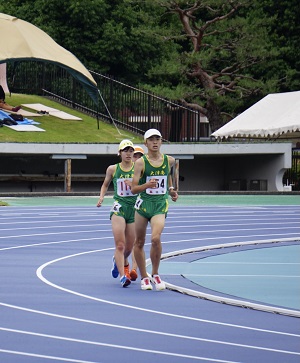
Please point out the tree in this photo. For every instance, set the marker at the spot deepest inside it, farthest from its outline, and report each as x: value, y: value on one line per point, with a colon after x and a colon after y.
x: 284, y: 34
x: 108, y: 36
x: 222, y: 46
x: 216, y: 56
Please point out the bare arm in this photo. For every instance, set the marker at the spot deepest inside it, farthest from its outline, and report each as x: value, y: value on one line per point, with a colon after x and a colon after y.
x: 108, y: 178
x: 138, y: 169
x: 172, y: 192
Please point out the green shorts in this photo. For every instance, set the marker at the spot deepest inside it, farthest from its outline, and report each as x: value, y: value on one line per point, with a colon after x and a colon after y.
x: 125, y: 210
x: 148, y: 209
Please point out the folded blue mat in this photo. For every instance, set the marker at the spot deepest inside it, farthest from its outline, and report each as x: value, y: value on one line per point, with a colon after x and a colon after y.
x: 25, y: 121
x: 4, y: 115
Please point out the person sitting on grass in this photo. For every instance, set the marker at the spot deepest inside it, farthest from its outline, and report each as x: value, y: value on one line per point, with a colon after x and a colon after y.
x: 4, y: 105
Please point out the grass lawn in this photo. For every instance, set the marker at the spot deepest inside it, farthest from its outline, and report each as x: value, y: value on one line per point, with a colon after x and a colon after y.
x: 63, y: 131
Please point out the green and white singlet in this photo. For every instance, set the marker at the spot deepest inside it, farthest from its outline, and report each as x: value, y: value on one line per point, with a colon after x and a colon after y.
x: 124, y: 200
x: 154, y: 201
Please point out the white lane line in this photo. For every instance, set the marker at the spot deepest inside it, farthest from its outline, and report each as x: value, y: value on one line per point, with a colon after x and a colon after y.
x: 46, y: 281
x: 54, y: 233
x: 21, y: 219
x: 57, y: 337
x: 50, y: 357
x: 57, y: 242
x: 93, y: 322
x: 238, y: 276
x: 113, y: 346
x: 165, y: 233
x: 240, y: 263
x: 180, y: 336
x: 35, y: 227
x: 297, y: 237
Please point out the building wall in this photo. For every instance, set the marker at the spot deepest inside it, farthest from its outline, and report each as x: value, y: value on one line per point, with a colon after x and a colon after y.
x: 203, y: 167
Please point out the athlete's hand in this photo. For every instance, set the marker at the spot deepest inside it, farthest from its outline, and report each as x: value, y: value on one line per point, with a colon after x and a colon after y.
x: 173, y: 195
x: 99, y: 202
x: 128, y: 183
x: 152, y: 183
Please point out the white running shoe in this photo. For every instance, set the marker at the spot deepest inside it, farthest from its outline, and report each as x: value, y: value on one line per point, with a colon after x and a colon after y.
x: 159, y: 284
x: 146, y: 284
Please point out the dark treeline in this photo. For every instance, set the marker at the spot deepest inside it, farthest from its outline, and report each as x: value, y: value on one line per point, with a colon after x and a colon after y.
x: 219, y: 57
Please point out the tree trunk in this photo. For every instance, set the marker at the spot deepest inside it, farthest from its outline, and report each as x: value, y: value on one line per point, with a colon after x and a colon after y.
x: 213, y: 112
x: 213, y: 115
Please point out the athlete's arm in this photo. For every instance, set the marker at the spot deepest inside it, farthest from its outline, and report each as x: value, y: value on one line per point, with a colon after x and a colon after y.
x: 108, y: 178
x: 138, y: 170
x: 172, y: 192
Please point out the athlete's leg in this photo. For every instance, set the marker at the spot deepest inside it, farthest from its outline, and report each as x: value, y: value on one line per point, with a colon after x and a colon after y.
x: 140, y: 236
x: 129, y: 241
x: 118, y: 228
x: 157, y: 225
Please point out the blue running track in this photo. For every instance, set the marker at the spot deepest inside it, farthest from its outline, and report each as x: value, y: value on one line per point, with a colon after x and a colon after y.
x: 59, y: 303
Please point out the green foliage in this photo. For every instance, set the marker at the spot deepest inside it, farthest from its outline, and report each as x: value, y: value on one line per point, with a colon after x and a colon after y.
x: 107, y: 36
x: 144, y: 42
x: 241, y: 51
x: 284, y: 34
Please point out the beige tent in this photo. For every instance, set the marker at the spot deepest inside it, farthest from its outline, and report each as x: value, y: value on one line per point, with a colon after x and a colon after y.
x: 276, y: 116
x: 24, y: 41
x: 3, y: 81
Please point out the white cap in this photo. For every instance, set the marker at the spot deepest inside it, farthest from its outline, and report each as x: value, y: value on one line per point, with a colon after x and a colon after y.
x: 151, y: 132
x: 124, y: 144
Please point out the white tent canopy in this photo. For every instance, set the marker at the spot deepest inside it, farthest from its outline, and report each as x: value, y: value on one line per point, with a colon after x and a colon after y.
x: 275, y: 116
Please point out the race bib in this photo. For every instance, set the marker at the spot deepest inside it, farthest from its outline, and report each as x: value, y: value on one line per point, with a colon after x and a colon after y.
x: 116, y: 207
x: 138, y: 202
x: 124, y: 190
x: 161, y: 185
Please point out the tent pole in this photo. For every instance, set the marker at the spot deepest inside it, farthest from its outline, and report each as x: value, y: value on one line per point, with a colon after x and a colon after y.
x: 105, y: 105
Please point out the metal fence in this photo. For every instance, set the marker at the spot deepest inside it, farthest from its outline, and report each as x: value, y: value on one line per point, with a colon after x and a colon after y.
x: 292, y: 176
x: 126, y: 106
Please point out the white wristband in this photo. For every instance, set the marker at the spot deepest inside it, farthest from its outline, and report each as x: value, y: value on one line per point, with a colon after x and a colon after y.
x: 171, y: 188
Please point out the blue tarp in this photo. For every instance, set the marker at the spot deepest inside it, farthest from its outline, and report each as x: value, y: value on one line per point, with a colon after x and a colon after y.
x: 25, y: 121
